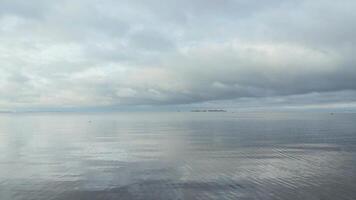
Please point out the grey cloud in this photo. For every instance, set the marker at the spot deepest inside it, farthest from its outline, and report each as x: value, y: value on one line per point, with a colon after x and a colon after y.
x: 30, y: 9
x: 150, y: 40
x: 114, y: 53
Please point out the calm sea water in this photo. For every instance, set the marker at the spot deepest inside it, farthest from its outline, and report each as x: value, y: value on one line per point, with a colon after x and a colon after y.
x: 167, y: 156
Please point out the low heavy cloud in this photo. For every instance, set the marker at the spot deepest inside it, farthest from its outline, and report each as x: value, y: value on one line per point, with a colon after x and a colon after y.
x: 90, y: 53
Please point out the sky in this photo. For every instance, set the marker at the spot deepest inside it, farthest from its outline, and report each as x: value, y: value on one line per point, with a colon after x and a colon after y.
x: 73, y: 54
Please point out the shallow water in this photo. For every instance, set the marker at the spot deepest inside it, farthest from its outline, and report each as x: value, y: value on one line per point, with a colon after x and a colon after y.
x: 62, y: 156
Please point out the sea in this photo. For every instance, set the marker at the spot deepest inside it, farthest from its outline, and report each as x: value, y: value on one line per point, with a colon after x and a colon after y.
x: 178, y: 155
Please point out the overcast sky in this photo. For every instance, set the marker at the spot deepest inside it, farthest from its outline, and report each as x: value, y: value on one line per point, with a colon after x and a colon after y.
x: 91, y: 53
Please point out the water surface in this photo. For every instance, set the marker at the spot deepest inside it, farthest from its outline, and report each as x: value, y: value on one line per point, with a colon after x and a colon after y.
x: 269, y: 156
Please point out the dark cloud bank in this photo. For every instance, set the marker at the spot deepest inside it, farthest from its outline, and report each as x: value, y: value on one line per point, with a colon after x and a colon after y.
x: 72, y: 54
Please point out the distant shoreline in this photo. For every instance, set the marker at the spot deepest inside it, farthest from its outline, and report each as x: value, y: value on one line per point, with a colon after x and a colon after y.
x: 213, y: 110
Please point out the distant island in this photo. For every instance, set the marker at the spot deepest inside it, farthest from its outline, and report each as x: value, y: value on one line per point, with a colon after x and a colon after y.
x: 213, y: 110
